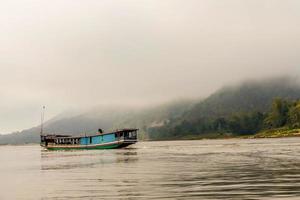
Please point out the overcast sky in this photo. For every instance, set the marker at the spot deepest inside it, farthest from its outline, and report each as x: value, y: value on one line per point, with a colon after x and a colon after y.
x: 77, y: 53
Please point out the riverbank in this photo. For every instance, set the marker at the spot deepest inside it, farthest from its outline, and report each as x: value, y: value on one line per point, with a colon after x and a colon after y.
x: 273, y: 133
x: 277, y: 133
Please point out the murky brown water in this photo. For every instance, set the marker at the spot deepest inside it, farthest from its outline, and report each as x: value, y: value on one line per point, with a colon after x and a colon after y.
x: 207, y: 169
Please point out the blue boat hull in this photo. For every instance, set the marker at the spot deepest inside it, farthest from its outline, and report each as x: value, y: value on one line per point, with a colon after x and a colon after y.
x: 117, y: 139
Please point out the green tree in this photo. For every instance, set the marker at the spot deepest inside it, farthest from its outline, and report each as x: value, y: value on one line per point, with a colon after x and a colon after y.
x: 246, y: 123
x: 294, y: 115
x: 278, y: 115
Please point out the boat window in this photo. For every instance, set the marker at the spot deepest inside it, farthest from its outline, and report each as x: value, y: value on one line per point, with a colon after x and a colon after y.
x: 91, y: 139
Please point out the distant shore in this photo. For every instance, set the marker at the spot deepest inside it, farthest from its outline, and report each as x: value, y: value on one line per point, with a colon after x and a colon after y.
x: 277, y: 133
x: 273, y: 133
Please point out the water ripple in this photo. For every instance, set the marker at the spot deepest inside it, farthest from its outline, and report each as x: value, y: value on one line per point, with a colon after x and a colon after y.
x: 207, y: 169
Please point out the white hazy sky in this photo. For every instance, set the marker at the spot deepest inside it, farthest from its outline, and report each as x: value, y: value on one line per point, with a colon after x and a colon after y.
x: 76, y: 53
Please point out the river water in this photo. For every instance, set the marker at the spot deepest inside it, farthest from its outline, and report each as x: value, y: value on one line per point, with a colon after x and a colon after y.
x: 204, y: 169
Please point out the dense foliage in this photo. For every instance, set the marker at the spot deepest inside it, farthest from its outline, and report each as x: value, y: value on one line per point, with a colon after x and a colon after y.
x: 283, y: 113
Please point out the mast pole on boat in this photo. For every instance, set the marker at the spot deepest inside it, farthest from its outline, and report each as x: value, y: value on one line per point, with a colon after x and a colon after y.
x: 42, y: 120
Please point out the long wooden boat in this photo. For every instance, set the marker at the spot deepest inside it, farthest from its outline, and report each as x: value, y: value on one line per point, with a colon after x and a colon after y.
x: 116, y: 139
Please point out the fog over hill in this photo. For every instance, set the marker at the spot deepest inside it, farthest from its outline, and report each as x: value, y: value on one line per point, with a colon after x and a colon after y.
x: 106, y: 118
x: 240, y: 109
x: 245, y: 97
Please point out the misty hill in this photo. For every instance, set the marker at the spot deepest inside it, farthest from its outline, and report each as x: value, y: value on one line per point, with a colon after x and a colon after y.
x: 249, y: 96
x: 106, y: 118
x: 222, y: 112
x: 225, y: 110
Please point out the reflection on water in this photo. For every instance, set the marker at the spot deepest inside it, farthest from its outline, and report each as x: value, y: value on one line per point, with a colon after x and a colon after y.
x: 207, y: 169
x: 53, y: 160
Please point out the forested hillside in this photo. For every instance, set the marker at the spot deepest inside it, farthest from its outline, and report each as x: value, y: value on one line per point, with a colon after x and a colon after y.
x: 238, y: 110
